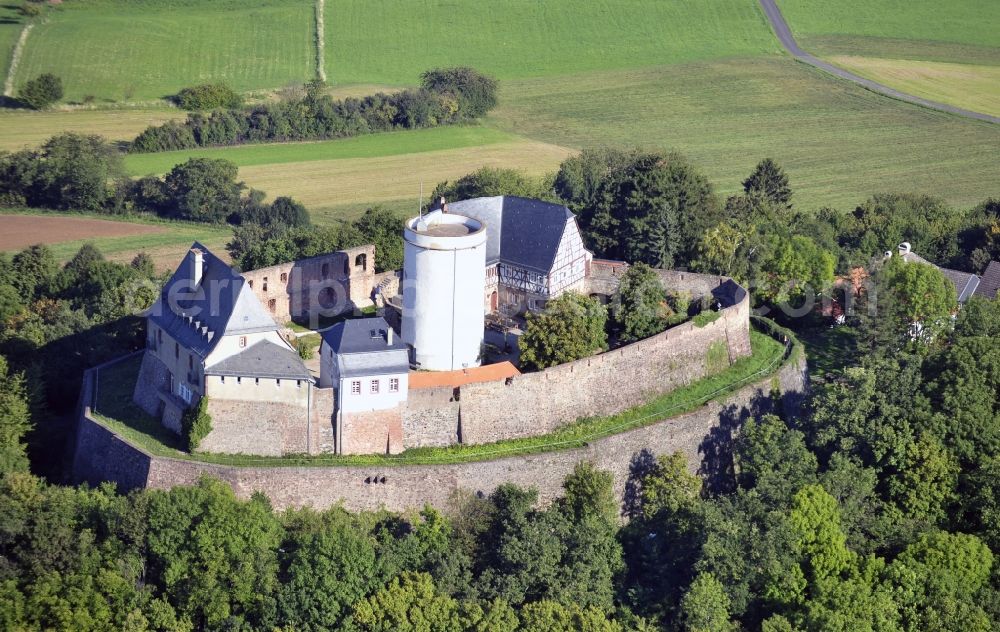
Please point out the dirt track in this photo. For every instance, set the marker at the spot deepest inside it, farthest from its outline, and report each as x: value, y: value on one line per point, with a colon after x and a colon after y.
x: 19, y: 231
x: 784, y: 34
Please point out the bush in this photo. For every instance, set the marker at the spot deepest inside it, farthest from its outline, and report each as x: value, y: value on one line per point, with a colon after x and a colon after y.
x: 476, y: 93
x: 30, y: 10
x: 170, y: 136
x: 42, y: 91
x: 571, y: 327
x: 208, y: 96
x: 196, y: 423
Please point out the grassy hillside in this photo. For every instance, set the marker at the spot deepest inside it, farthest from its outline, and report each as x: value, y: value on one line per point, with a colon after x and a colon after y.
x: 970, y: 86
x: 11, y: 24
x: 838, y: 142
x: 375, y: 145
x: 972, y: 23
x: 341, y: 189
x: 124, y: 50
x: 946, y: 51
x: 27, y: 128
x: 393, y: 42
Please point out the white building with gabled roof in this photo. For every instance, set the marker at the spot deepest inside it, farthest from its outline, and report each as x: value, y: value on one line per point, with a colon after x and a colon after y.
x: 208, y: 335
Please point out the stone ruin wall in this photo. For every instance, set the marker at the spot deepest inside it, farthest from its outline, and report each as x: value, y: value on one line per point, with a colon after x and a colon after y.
x: 703, y: 435
x: 293, y: 297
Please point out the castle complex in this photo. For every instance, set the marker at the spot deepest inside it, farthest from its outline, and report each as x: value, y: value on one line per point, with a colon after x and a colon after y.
x: 218, y: 333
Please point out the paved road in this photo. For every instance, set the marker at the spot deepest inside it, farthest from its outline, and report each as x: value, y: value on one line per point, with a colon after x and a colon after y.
x: 785, y: 36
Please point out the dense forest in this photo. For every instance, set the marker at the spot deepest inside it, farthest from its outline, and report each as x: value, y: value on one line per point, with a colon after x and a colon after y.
x: 876, y: 507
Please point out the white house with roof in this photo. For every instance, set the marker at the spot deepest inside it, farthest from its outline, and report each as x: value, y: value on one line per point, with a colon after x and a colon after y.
x: 208, y: 334
x: 367, y: 365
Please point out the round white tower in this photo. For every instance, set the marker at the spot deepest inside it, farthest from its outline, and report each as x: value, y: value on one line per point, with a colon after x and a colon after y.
x: 444, y: 276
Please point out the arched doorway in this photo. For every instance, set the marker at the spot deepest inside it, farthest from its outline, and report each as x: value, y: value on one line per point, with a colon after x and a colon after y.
x: 494, y: 301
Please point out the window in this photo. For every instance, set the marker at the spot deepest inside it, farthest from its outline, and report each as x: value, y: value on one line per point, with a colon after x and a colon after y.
x: 190, y: 362
x: 177, y: 350
x: 298, y: 383
x: 250, y: 283
x: 277, y: 383
x: 265, y: 284
x: 272, y: 305
x: 184, y: 393
x: 356, y: 387
x: 222, y: 379
x: 374, y: 386
x: 159, y: 336
x: 326, y: 270
x: 256, y: 381
x: 243, y: 341
x: 361, y: 261
x: 239, y: 380
x: 284, y: 277
x: 393, y: 384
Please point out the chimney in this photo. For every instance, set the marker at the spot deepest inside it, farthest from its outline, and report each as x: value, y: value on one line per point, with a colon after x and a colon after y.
x: 444, y: 205
x: 904, y: 248
x: 197, y: 262
x: 388, y: 336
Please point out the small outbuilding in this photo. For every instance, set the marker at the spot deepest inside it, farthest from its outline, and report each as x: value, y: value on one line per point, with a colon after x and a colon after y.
x: 366, y: 364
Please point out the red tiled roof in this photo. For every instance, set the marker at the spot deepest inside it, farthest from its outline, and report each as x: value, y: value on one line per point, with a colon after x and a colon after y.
x: 488, y: 373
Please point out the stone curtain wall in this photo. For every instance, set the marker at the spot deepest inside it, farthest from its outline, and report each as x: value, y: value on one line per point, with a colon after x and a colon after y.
x: 292, y: 297
x: 605, y: 384
x: 153, y: 379
x: 431, y: 418
x: 249, y: 427
x: 703, y: 435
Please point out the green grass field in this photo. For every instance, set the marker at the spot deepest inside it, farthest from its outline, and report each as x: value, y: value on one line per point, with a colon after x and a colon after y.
x: 970, y: 23
x: 371, y: 146
x: 393, y: 42
x: 703, y: 78
x: 11, y: 23
x: 839, y: 143
x: 27, y: 128
x: 945, y: 51
x: 121, y: 50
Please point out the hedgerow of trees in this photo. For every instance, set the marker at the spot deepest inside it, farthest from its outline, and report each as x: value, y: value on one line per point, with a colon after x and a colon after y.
x: 446, y: 96
x: 77, y: 172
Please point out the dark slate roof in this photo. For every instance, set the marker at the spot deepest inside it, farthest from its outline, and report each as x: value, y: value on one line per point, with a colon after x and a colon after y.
x: 965, y: 282
x: 361, y: 335
x: 519, y: 231
x: 263, y: 359
x: 990, y: 281
x: 362, y: 348
x: 223, y: 304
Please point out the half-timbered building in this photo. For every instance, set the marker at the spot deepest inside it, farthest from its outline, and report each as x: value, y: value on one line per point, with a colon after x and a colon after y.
x: 534, y: 251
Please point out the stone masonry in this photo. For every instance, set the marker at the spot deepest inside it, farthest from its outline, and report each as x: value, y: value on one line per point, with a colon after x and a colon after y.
x: 704, y: 436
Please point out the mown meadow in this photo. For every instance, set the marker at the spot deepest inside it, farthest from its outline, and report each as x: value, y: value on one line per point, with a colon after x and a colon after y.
x: 948, y: 52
